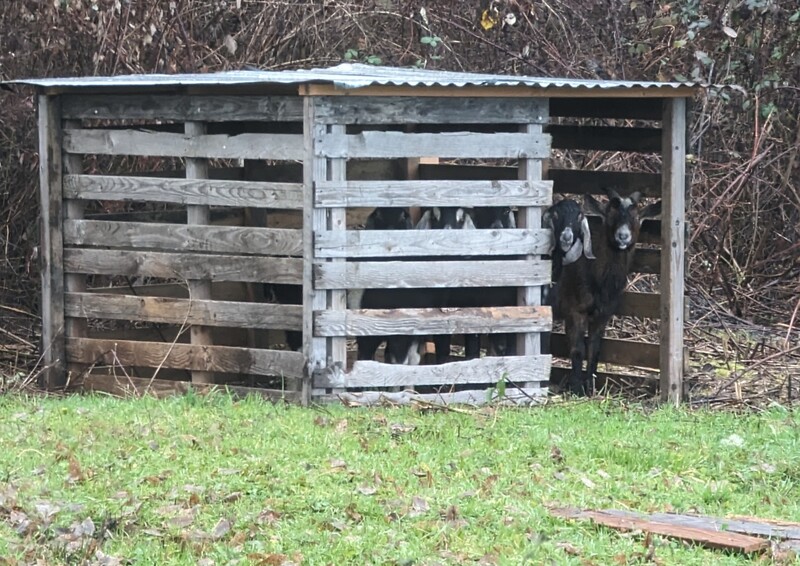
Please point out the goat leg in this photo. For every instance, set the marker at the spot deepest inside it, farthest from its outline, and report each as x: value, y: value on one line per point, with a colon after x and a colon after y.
x: 597, y: 327
x: 575, y: 328
x: 367, y: 346
x: 442, y: 344
x: 472, y: 346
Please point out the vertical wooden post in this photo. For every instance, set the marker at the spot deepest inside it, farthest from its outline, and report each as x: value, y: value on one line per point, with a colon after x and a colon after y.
x: 198, y: 214
x: 74, y: 282
x: 673, y: 195
x: 337, y: 221
x: 314, y: 220
x: 51, y: 244
x: 529, y: 344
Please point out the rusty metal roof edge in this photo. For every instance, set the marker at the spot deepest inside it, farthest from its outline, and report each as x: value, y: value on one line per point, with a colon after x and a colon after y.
x: 349, y: 76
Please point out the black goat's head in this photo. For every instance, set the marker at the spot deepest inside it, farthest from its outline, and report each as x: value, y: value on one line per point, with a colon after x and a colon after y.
x: 384, y: 218
x: 495, y: 217
x: 446, y: 218
x: 622, y: 217
x: 570, y: 231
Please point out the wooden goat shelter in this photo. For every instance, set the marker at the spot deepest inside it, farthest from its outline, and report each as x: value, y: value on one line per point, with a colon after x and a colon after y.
x: 191, y: 223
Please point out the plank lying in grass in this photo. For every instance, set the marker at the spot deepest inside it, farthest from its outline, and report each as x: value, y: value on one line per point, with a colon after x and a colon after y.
x: 702, y: 536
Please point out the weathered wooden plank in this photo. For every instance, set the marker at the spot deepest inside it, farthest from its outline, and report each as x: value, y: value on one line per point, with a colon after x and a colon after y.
x: 411, y: 243
x: 337, y: 223
x: 646, y: 261
x: 643, y: 305
x: 673, y: 259
x: 198, y: 214
x: 608, y: 381
x: 518, y: 369
x: 160, y: 388
x: 220, y: 290
x: 385, y: 322
x: 447, y: 171
x: 374, y: 144
x: 73, y: 282
x: 225, y: 359
x: 613, y: 351
x: 182, y: 237
x: 433, y: 193
x: 583, y: 182
x: 512, y: 395
x: 185, y: 191
x: 750, y: 526
x: 421, y: 274
x: 51, y: 246
x: 183, y: 311
x: 219, y: 216
x: 430, y: 110
x: 703, y: 537
x: 632, y: 109
x: 165, y: 144
x: 184, y: 108
x: 606, y: 138
x: 184, y: 265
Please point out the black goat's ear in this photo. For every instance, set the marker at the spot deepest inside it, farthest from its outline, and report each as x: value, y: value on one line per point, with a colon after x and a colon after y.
x: 611, y: 193
x: 651, y: 210
x: 593, y: 206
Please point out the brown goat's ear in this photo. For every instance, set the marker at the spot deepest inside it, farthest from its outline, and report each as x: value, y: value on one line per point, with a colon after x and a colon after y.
x: 593, y: 206
x: 651, y: 210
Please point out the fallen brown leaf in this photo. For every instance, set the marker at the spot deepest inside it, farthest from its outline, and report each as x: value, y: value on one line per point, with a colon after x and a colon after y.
x: 556, y: 455
x: 222, y: 528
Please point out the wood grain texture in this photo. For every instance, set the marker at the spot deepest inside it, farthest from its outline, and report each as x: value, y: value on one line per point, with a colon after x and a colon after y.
x: 374, y: 144
x: 184, y: 238
x: 179, y: 311
x: 161, y: 388
x: 225, y: 359
x: 184, y: 266
x: 185, y: 191
x: 421, y: 274
x: 51, y: 245
x: 672, y: 268
x: 513, y: 395
x: 385, y: 322
x: 184, y: 108
x: 429, y: 110
x: 614, y: 351
x: 416, y: 243
x: 165, y: 144
x: 433, y: 193
x: 483, y: 370
x: 623, y: 93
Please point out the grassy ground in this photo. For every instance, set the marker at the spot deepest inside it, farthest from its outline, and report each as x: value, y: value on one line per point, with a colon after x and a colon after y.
x: 210, y: 481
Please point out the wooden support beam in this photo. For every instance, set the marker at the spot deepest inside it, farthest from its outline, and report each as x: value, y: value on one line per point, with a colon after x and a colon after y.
x: 199, y: 289
x: 673, y: 219
x: 51, y: 246
x: 606, y: 138
x: 73, y: 282
x: 337, y: 224
x: 632, y: 109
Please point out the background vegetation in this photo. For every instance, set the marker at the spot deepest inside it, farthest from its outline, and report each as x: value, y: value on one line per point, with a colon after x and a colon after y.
x: 745, y: 189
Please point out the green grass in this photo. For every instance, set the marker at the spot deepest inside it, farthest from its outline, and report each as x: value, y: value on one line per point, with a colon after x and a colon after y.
x: 163, y: 480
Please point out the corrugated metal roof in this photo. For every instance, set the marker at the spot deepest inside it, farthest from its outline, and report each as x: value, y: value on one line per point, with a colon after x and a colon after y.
x: 345, y: 75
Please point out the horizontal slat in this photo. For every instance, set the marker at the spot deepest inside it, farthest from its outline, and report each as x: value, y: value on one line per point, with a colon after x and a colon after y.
x: 433, y: 193
x: 412, y: 274
x: 184, y: 266
x: 613, y: 351
x: 398, y: 243
x: 452, y: 144
x: 185, y: 191
x: 220, y: 290
x: 631, y: 108
x: 430, y: 110
x: 559, y: 376
x: 125, y: 386
x: 224, y: 359
x: 579, y: 181
x: 183, y: 108
x: 182, y: 237
x: 646, y: 261
x: 386, y: 322
x: 521, y: 396
x: 519, y: 369
x: 183, y: 311
x: 606, y: 138
x: 644, y: 305
x: 162, y: 144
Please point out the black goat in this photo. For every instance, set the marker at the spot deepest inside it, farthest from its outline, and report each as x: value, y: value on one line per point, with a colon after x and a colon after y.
x: 589, y: 292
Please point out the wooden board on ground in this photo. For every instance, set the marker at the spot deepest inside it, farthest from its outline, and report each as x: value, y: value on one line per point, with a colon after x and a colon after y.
x: 704, y: 537
x: 512, y: 395
x: 620, y: 352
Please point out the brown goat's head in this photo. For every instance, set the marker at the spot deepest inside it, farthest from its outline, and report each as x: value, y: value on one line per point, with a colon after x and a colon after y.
x: 622, y: 218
